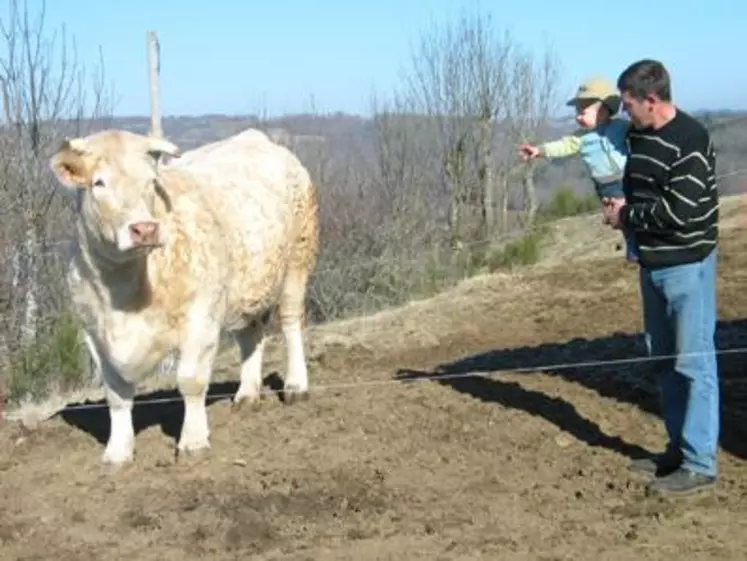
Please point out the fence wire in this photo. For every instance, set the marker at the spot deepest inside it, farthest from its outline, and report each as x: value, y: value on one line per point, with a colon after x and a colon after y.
x: 422, y: 378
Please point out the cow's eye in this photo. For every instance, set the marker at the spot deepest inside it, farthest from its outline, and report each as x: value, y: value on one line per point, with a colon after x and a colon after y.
x: 99, y: 183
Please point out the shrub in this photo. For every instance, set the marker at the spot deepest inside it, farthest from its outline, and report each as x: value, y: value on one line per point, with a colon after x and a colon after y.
x: 525, y: 250
x: 56, y: 361
x: 565, y: 202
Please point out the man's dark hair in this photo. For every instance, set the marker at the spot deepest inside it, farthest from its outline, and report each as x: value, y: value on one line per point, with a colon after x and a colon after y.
x: 646, y: 77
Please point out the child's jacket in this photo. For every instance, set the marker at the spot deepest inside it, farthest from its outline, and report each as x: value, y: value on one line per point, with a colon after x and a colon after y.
x: 603, y: 150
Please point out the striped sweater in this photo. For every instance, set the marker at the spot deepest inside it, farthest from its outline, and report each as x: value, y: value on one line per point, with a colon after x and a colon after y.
x: 671, y: 193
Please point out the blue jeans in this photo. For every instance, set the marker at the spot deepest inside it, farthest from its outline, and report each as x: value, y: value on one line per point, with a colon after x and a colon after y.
x: 679, y: 312
x: 615, y: 190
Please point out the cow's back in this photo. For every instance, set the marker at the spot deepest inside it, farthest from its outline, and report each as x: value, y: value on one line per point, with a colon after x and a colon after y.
x: 251, y: 185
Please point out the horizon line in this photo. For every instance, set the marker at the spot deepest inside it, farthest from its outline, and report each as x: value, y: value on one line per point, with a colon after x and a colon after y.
x: 339, y: 113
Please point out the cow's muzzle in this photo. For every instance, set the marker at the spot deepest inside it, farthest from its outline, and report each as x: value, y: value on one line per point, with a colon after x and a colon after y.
x: 145, y: 234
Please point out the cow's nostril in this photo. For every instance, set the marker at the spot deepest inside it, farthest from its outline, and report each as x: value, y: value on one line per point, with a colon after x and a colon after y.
x: 144, y: 233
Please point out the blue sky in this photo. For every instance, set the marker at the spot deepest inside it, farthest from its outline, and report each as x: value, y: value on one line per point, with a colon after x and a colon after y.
x: 224, y: 56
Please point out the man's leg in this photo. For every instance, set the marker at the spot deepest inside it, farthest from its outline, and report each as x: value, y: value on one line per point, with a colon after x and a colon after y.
x: 691, y: 294
x: 660, y: 343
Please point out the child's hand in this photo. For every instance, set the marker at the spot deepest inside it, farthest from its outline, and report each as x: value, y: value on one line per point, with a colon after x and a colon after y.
x: 528, y: 152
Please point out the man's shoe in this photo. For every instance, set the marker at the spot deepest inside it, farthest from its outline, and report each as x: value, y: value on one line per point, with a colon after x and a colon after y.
x: 659, y: 465
x: 681, y: 482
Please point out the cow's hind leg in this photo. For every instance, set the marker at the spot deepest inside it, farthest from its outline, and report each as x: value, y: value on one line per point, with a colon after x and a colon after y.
x: 251, y: 341
x: 291, y: 314
x: 292, y: 305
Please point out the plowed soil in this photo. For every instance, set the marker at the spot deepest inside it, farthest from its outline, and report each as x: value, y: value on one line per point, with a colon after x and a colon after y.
x: 384, y: 462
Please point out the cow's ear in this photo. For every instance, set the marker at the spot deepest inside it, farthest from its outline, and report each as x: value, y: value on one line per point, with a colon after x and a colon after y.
x: 70, y: 166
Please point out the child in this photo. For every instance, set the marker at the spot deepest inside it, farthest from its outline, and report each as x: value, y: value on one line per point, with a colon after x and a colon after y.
x: 600, y: 143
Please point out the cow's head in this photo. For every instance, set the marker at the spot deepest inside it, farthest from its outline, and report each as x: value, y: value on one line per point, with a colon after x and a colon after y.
x: 116, y: 175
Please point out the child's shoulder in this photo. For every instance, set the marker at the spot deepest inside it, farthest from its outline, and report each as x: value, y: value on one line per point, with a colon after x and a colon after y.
x: 621, y: 121
x: 618, y: 126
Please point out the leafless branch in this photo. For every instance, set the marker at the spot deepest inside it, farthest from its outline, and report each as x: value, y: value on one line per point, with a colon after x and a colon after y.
x: 46, y: 95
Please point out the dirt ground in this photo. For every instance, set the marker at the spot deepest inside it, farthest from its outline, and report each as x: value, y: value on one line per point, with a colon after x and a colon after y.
x: 527, y: 464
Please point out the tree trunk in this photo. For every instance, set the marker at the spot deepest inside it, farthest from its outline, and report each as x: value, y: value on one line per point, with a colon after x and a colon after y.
x: 5, y: 353
x: 31, y: 307
x: 455, y: 218
x: 504, y: 205
x: 25, y: 267
x: 485, y: 175
x: 453, y: 162
x: 530, y: 195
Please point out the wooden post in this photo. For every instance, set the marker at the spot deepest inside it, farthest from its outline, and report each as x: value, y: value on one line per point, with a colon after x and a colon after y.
x: 154, y: 71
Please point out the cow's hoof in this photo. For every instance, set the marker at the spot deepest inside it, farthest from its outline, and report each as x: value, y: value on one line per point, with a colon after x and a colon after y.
x: 196, y: 450
x: 191, y: 456
x: 246, y: 402
x: 114, y: 463
x: 109, y: 470
x: 293, y: 393
x: 116, y: 457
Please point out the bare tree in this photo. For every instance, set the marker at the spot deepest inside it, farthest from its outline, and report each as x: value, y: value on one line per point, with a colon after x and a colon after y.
x: 531, y: 98
x: 46, y: 95
x: 479, y: 94
x: 405, y: 166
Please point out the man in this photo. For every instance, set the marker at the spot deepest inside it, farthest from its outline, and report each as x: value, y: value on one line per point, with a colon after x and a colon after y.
x: 671, y: 205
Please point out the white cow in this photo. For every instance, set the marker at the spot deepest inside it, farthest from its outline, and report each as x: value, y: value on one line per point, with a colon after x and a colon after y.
x: 170, y: 254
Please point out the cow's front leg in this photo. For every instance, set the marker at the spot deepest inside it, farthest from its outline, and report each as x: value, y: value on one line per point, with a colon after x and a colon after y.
x: 119, y: 396
x: 121, y: 445
x: 193, y: 378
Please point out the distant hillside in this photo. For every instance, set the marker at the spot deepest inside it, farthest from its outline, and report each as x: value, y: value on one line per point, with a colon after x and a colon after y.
x: 351, y: 138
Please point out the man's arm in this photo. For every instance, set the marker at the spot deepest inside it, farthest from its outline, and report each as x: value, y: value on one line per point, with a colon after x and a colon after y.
x: 688, y: 181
